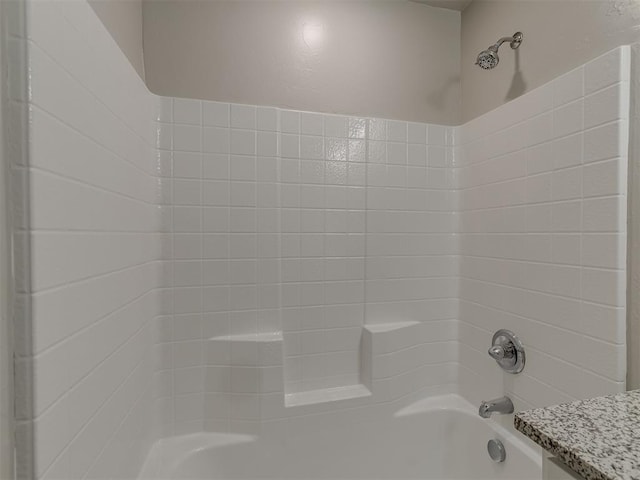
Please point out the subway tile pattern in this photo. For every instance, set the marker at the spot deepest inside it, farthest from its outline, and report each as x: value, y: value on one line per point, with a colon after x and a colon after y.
x: 88, y: 248
x: 542, y: 221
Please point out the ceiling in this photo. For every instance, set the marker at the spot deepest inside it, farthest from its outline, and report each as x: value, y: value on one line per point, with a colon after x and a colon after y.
x: 450, y: 4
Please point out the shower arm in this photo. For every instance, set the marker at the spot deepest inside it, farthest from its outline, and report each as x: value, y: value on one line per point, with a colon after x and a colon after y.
x: 514, y: 41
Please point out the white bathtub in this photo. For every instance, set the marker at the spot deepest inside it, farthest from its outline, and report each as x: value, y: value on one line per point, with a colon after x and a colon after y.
x: 438, y: 438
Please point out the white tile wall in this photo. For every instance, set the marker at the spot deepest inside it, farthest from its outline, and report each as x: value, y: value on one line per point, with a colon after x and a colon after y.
x: 91, y: 232
x: 514, y: 220
x: 542, y: 218
x: 323, y: 207
x: 222, y: 272
x: 211, y: 258
x: 282, y: 222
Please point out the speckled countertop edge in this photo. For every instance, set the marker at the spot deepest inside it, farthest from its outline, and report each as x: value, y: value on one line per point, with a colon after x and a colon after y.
x: 598, y: 438
x: 589, y: 472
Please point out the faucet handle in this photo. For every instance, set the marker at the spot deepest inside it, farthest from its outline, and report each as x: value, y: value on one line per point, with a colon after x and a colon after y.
x: 507, y: 350
x: 497, y: 352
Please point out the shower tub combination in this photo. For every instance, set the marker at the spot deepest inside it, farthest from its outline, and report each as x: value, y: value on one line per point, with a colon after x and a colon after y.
x: 232, y: 340
x: 439, y: 437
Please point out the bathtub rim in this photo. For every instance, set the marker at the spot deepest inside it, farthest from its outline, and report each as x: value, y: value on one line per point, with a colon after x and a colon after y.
x: 168, y: 452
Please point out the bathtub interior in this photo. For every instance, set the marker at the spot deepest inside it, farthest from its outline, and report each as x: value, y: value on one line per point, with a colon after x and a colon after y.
x: 437, y: 437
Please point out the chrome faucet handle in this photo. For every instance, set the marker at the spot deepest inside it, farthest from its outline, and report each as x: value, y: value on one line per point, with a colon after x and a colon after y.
x: 507, y: 350
x: 500, y: 352
x: 497, y: 352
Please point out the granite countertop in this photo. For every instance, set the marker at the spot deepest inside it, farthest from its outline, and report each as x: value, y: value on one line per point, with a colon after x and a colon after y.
x: 597, y: 438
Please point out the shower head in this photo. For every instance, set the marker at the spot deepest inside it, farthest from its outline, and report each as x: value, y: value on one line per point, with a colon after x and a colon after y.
x: 488, y: 59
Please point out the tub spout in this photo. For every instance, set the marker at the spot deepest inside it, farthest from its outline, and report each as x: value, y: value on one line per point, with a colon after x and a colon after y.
x: 499, y: 405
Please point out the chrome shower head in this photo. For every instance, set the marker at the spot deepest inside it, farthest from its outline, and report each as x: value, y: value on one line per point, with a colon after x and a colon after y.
x: 488, y: 59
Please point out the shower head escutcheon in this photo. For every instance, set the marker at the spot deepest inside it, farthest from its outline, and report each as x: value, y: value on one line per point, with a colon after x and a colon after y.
x: 488, y: 59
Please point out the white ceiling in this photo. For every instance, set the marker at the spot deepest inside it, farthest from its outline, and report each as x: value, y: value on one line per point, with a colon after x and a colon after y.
x: 450, y: 4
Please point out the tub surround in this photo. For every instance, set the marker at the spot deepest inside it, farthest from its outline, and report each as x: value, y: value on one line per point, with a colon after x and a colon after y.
x: 390, y: 252
x: 330, y: 236
x: 597, y: 438
x: 273, y: 252
x: 87, y: 249
x: 541, y: 196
